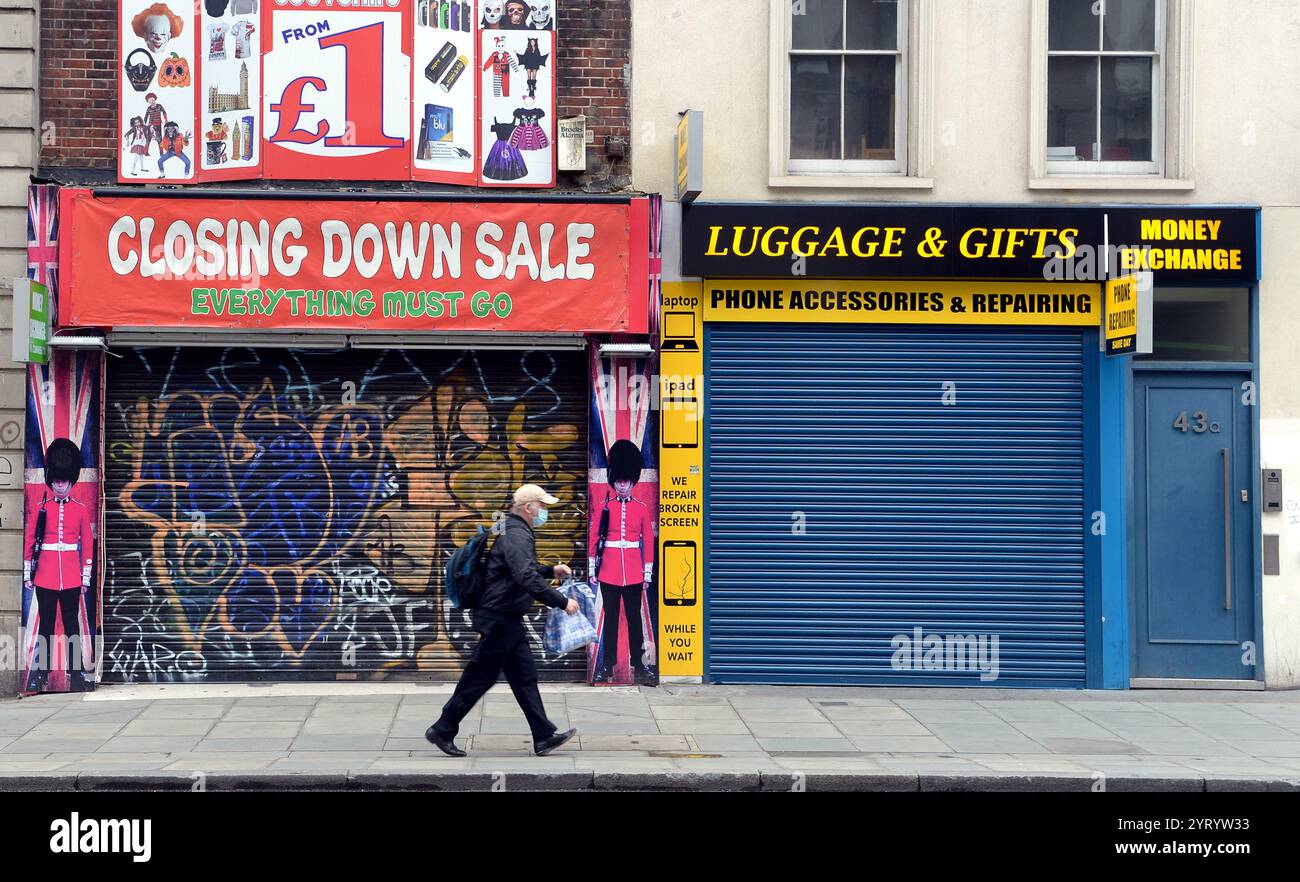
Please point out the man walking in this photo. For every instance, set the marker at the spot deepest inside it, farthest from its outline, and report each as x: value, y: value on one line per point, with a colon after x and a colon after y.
x: 514, y: 579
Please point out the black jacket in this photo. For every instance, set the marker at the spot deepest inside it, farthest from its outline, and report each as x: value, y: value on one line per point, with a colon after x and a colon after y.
x: 514, y: 577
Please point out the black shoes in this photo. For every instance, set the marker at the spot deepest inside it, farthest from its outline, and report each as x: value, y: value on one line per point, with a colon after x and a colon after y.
x: 542, y: 748
x: 446, y: 745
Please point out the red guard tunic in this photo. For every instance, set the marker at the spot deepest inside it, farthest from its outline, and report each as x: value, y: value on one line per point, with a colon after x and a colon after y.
x: 629, y: 545
x: 67, y: 550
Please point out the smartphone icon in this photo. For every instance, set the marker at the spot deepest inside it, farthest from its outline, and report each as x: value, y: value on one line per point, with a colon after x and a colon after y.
x: 680, y: 573
x: 680, y: 419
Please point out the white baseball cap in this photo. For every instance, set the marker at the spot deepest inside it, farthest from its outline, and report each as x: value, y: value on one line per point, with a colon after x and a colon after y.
x: 533, y: 493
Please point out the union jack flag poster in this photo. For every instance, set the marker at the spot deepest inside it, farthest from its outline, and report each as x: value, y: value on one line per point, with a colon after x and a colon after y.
x: 63, y: 401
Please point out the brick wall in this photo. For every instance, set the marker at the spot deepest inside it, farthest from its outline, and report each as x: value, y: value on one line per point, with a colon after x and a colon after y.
x: 595, y: 51
x: 79, y: 84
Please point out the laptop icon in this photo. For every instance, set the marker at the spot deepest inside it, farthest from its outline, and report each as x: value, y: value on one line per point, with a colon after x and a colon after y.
x: 679, y: 332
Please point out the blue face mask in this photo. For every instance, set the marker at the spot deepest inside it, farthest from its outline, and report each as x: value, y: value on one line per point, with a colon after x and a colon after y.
x: 540, y: 519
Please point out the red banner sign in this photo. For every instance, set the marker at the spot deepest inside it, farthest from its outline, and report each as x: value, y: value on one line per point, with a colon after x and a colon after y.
x: 352, y: 265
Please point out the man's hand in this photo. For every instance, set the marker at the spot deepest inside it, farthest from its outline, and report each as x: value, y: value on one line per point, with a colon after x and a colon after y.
x: 562, y: 572
x: 572, y: 608
x: 27, y: 585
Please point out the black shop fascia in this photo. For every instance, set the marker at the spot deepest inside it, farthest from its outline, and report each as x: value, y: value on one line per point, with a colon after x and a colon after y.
x: 1181, y: 245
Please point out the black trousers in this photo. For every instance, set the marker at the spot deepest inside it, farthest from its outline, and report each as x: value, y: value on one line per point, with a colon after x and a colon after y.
x: 66, y: 604
x: 502, y: 646
x: 629, y: 597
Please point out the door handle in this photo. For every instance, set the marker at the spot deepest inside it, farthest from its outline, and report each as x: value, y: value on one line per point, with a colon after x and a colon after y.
x: 1227, y: 527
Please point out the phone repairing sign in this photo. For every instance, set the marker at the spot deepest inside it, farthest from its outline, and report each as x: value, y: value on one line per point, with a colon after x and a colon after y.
x: 681, y: 481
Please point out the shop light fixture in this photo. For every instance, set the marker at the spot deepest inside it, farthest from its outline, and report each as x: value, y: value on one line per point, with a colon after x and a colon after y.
x: 626, y: 349
x: 268, y: 339
x: 467, y: 341
x: 77, y: 341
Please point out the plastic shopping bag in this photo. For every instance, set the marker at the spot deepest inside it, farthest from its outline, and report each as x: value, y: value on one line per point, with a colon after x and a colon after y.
x: 564, y: 632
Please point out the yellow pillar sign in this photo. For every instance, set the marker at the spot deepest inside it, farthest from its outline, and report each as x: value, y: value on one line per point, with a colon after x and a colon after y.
x: 681, y: 481
x: 1120, y: 326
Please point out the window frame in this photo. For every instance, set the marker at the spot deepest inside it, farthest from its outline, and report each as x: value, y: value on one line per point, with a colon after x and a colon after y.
x: 899, y: 53
x: 913, y: 111
x: 1173, y: 105
x: 1153, y: 166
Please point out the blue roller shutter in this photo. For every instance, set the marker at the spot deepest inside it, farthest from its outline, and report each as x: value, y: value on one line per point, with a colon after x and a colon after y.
x: 961, y: 519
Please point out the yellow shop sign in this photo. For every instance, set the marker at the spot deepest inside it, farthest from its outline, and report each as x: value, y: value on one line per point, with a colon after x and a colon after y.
x: 1121, y: 325
x: 1072, y: 304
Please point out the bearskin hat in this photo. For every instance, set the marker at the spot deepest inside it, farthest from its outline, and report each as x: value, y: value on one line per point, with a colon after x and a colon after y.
x: 624, y: 462
x: 62, y: 461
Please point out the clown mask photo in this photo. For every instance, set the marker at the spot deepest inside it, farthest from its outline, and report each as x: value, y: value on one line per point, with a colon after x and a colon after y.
x: 157, y: 25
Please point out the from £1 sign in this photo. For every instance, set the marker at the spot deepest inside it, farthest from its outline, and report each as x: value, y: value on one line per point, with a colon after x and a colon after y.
x: 31, y: 324
x: 446, y: 91
x: 1121, y: 323
x: 338, y: 88
x: 681, y: 481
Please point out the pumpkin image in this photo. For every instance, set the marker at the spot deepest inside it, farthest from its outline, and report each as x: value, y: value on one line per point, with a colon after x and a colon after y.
x: 175, y: 71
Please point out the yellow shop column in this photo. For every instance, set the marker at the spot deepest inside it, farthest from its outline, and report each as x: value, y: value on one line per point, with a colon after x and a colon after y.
x: 681, y: 481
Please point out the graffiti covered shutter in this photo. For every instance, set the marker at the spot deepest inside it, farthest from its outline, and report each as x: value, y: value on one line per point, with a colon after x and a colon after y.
x: 287, y: 514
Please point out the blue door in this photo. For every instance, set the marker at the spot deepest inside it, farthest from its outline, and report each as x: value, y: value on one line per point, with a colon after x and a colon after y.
x: 1193, y: 593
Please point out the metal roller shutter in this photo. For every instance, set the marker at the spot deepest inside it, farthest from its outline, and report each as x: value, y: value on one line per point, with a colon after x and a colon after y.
x: 965, y: 519
x: 286, y: 514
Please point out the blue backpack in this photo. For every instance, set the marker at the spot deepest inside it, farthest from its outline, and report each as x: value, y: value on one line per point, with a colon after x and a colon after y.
x: 467, y: 571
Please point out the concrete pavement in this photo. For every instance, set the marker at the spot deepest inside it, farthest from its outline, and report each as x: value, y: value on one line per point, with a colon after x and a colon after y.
x: 370, y: 736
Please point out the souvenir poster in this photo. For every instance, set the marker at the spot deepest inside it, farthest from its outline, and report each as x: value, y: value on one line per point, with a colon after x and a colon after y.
x: 337, y: 91
x: 230, y: 64
x: 516, y: 68
x: 444, y: 111
x: 157, y: 85
x: 445, y: 91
